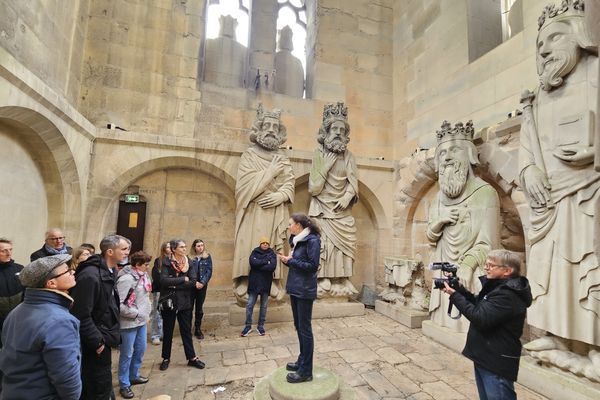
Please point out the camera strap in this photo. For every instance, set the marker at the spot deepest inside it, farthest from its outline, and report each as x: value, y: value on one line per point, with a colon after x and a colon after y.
x: 450, y: 305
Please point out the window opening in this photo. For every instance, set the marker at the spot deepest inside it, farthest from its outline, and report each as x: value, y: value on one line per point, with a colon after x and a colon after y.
x: 238, y: 9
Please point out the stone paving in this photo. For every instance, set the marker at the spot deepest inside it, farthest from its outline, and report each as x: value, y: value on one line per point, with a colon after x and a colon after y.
x: 377, y: 356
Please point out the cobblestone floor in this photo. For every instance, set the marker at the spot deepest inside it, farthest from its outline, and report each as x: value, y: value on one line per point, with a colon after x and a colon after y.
x: 377, y: 356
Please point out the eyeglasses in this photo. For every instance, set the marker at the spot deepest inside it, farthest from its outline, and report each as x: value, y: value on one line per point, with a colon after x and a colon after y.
x: 56, y: 238
x: 492, y: 265
x: 70, y: 270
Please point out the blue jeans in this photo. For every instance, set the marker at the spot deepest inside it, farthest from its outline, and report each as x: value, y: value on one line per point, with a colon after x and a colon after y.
x: 133, y: 346
x: 493, y: 387
x: 262, y: 315
x: 302, y: 312
x: 156, y: 318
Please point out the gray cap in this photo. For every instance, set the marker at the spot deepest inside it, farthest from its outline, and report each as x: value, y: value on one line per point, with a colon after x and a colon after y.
x: 36, y: 274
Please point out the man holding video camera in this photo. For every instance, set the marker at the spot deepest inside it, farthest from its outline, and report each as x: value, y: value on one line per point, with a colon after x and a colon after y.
x: 497, y: 315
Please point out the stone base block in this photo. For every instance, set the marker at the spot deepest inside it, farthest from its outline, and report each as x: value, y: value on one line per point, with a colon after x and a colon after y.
x: 554, y: 383
x: 324, y: 386
x: 453, y: 340
x: 406, y: 316
x: 283, y: 312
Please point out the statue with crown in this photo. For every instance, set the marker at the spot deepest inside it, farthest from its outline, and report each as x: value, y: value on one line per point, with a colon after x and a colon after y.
x: 464, y: 217
x: 333, y: 185
x: 264, y: 190
x: 556, y: 166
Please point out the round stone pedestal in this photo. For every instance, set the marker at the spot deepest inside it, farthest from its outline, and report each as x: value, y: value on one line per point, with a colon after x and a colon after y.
x: 325, y: 386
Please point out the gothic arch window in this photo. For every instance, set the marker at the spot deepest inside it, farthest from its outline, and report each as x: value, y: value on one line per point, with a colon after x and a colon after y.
x: 292, y: 13
x: 238, y: 9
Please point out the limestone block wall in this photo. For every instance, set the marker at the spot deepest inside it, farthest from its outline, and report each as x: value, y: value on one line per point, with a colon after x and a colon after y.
x: 434, y: 80
x: 47, y: 37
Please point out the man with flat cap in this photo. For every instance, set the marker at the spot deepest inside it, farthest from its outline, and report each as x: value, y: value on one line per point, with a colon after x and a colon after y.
x: 41, y: 357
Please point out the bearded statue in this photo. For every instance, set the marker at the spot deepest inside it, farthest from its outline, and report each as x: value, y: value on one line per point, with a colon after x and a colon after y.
x: 263, y: 192
x: 464, y: 217
x: 556, y: 164
x: 333, y: 185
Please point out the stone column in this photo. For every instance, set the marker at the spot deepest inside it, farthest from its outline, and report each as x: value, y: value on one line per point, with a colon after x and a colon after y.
x: 263, y: 34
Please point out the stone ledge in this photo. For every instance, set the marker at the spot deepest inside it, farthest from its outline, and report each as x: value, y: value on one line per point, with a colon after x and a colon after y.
x: 452, y: 340
x: 554, y: 383
x: 283, y: 312
x: 406, y: 316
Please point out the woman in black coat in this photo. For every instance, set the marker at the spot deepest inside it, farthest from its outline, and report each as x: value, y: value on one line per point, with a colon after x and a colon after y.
x: 263, y: 261
x: 175, y: 303
x: 303, y: 263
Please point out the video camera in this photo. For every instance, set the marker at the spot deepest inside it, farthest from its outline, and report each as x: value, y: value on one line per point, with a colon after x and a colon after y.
x: 449, y: 271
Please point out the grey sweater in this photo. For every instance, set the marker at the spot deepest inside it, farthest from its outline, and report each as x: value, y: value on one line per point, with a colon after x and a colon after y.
x: 138, y: 313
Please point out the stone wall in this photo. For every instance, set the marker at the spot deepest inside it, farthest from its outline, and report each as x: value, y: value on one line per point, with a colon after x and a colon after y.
x: 47, y: 37
x: 434, y: 80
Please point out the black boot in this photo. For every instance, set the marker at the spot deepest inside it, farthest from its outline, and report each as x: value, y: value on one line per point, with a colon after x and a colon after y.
x: 198, y: 333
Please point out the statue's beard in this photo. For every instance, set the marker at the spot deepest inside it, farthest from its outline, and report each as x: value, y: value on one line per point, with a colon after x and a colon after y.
x: 453, y: 178
x: 561, y: 64
x: 267, y: 142
x: 335, y: 144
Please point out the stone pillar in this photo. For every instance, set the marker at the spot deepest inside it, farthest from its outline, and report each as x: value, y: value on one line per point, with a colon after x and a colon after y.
x: 225, y: 57
x: 263, y: 33
x: 289, y: 74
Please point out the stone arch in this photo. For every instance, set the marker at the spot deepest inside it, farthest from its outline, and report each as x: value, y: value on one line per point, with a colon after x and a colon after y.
x: 49, y: 150
x: 104, y: 195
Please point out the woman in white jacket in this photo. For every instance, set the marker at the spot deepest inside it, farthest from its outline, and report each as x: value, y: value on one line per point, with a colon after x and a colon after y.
x: 134, y: 287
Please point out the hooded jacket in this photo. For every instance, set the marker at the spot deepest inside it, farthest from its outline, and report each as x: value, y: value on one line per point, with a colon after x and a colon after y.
x: 96, y: 304
x: 497, y: 315
x: 262, y: 264
x: 304, y: 267
x: 41, y: 358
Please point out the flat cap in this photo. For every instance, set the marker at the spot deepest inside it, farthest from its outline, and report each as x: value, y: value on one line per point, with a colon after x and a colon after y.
x: 35, y: 274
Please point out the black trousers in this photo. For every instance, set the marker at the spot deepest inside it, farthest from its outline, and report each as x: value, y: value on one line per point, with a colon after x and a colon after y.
x: 302, y: 312
x: 198, y: 297
x: 184, y: 318
x: 96, y: 375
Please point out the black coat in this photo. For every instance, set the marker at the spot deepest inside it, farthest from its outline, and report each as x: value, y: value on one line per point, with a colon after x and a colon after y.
x: 11, y: 290
x: 497, y: 316
x: 262, y: 264
x: 156, y: 274
x: 304, y: 267
x: 96, y: 304
x: 173, y: 286
x: 44, y: 253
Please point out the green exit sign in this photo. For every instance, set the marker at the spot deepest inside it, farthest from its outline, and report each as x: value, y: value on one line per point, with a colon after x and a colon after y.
x: 132, y: 198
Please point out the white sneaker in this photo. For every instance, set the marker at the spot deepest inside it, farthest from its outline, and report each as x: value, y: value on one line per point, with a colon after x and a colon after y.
x: 156, y: 341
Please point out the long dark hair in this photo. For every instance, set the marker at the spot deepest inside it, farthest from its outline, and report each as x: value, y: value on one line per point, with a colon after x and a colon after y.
x: 306, y: 222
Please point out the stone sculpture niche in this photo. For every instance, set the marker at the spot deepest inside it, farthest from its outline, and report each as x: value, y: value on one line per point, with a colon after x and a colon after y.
x: 556, y: 164
x: 406, y: 283
x: 225, y: 58
x: 289, y: 74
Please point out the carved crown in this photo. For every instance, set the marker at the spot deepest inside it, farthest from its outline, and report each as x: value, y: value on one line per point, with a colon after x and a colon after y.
x: 567, y: 8
x: 460, y: 131
x: 337, y: 110
x: 261, y: 113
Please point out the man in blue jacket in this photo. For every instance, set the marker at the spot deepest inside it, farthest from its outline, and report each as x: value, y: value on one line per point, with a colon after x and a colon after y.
x: 497, y: 315
x: 41, y: 357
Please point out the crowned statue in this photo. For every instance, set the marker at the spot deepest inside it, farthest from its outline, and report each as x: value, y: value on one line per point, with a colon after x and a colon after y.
x: 333, y: 185
x: 556, y: 164
x: 263, y: 192
x: 464, y: 217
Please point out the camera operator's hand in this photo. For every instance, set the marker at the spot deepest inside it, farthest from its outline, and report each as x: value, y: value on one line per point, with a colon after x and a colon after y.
x: 447, y: 288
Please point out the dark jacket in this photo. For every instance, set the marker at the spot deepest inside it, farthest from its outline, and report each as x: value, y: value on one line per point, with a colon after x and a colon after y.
x: 304, y: 267
x: 96, y: 304
x: 173, y: 286
x: 41, y: 357
x: 44, y: 253
x: 11, y: 291
x: 202, y: 269
x: 156, y: 274
x: 497, y: 316
x: 262, y: 265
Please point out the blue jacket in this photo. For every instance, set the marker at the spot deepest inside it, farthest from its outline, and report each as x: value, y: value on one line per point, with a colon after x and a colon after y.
x: 262, y: 265
x: 304, y: 267
x: 202, y: 268
x: 41, y: 357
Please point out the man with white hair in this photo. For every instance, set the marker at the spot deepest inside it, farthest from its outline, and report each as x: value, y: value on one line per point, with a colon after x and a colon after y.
x: 464, y: 217
x: 54, y: 243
